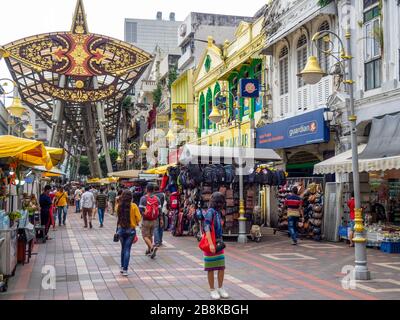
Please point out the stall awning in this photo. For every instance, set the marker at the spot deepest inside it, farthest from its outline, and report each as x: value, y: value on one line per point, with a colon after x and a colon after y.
x: 129, y: 174
x: 54, y: 172
x: 57, y: 155
x: 384, y: 139
x: 160, y: 170
x: 342, y: 163
x: 28, y: 152
x: 203, y: 154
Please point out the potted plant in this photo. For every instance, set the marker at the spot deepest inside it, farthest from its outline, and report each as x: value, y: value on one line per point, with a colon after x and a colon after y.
x: 14, y: 216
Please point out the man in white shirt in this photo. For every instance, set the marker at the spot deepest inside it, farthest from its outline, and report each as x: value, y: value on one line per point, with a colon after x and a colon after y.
x: 77, y: 196
x: 88, y: 205
x: 95, y: 192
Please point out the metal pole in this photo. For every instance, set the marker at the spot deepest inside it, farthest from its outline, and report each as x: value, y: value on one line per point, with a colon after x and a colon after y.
x: 101, y: 119
x: 242, y: 238
x: 361, y: 270
x: 57, y: 117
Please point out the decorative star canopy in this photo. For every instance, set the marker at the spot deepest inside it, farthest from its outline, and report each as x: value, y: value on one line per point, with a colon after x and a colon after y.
x: 37, y: 64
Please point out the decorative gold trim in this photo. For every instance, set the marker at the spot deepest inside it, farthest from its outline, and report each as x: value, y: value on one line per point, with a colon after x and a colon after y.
x: 359, y: 226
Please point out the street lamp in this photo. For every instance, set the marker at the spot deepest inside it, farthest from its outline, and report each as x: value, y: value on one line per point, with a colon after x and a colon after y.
x: 311, y: 74
x: 16, y: 109
x: 170, y: 135
x: 216, y: 117
x: 29, y: 132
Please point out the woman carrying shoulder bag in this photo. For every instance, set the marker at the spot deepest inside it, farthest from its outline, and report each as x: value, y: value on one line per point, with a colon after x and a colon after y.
x: 129, y: 218
x: 214, y: 258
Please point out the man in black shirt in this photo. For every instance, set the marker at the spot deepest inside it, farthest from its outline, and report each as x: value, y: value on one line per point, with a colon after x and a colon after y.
x: 45, y: 204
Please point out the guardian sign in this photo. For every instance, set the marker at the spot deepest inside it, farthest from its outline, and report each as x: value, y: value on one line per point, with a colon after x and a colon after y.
x: 307, y: 128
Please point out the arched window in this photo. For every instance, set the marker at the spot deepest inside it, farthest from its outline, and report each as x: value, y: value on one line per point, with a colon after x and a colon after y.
x: 323, y: 58
x: 301, y: 58
x: 217, y: 89
x: 209, y: 103
x: 284, y: 70
x: 202, y: 114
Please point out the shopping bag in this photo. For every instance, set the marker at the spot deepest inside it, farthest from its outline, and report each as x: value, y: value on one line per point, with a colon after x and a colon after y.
x: 204, y: 245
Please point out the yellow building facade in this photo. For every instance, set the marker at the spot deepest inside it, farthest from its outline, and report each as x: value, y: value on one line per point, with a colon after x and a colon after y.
x: 217, y: 76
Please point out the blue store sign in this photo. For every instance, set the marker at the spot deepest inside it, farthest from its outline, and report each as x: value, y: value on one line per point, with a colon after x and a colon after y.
x: 305, y: 129
x: 249, y: 88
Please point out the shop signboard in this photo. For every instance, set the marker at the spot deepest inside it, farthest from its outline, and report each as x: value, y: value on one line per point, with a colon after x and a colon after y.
x: 308, y: 128
x: 249, y: 88
x: 179, y: 113
x: 162, y: 121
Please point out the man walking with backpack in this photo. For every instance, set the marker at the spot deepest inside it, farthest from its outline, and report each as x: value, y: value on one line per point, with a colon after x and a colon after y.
x: 150, y: 209
x: 159, y: 225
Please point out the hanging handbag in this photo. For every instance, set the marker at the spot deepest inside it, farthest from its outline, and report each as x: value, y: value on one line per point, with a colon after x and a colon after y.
x: 220, y: 246
x: 116, y: 236
x: 136, y: 239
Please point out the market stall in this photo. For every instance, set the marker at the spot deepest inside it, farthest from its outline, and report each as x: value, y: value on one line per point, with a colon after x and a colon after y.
x: 379, y: 165
x: 203, y: 170
x: 18, y: 157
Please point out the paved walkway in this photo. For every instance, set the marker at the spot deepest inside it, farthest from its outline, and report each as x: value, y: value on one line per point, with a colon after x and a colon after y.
x: 87, y: 267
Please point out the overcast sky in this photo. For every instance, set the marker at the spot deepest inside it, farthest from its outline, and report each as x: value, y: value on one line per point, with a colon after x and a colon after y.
x: 23, y: 18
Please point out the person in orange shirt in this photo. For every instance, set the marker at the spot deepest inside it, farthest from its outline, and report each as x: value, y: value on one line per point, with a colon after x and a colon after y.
x: 129, y: 218
x: 61, y: 202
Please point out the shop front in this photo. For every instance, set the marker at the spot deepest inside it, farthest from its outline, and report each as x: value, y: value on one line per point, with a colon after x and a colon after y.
x: 303, y: 141
x: 379, y: 165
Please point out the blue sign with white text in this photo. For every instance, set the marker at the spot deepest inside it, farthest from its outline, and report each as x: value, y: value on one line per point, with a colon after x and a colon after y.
x: 307, y: 128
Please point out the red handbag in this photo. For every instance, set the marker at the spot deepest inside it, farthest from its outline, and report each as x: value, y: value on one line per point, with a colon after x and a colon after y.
x: 204, y: 245
x: 136, y: 239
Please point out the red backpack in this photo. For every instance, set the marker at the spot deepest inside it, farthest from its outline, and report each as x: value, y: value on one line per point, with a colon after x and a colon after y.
x: 152, y: 212
x: 174, y: 200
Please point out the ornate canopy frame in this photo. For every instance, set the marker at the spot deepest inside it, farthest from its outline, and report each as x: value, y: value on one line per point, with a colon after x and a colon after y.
x: 79, y: 71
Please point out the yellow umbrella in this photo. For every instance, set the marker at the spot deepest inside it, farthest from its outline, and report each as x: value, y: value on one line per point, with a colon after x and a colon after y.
x: 28, y: 152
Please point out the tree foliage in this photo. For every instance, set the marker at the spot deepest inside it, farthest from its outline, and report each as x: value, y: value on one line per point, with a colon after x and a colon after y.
x: 84, y: 169
x: 103, y: 163
x: 157, y: 95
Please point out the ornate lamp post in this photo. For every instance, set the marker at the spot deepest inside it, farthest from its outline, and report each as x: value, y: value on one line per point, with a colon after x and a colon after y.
x: 16, y: 111
x: 312, y: 74
x: 216, y: 117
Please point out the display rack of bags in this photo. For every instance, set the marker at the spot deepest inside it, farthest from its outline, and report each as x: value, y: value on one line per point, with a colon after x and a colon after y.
x: 311, y: 191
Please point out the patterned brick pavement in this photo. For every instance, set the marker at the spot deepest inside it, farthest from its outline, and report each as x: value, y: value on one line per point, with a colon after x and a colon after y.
x: 87, y: 268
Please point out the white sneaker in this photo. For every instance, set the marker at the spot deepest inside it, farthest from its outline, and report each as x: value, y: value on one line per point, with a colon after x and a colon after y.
x: 125, y: 273
x: 215, y: 295
x: 121, y: 270
x: 222, y: 292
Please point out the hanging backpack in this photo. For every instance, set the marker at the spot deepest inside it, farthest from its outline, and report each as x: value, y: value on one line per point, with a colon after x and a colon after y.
x: 174, y: 201
x: 173, y: 172
x: 220, y: 174
x: 229, y: 174
x: 252, y: 176
x: 194, y: 173
x: 151, y: 212
x: 164, y: 182
x: 208, y: 175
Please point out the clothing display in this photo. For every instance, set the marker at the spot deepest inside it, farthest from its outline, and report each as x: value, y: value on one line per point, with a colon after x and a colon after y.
x: 310, y: 199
